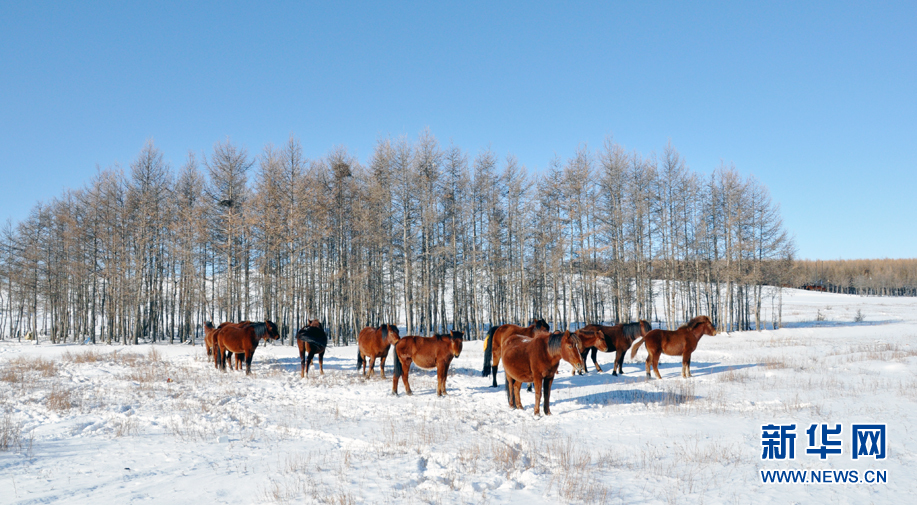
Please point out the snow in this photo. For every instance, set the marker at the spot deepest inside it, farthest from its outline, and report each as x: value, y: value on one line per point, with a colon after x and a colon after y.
x: 158, y: 424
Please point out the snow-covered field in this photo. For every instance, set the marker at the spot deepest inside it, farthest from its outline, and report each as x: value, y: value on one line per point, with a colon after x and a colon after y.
x: 158, y: 424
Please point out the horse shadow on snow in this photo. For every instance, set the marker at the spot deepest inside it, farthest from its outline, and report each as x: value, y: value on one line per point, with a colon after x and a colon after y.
x: 675, y: 390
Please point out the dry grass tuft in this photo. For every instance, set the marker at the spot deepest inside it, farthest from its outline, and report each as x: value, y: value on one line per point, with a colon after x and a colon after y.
x: 733, y: 375
x: 59, y: 399
x: 89, y: 356
x: 10, y: 432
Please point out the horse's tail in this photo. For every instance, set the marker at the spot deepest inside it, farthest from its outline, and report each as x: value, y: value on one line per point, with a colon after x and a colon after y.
x: 488, y: 351
x: 636, y: 347
x: 359, y: 358
x: 398, y: 370
x: 509, y: 397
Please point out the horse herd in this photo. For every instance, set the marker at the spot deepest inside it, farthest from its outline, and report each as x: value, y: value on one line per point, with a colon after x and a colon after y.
x: 529, y: 354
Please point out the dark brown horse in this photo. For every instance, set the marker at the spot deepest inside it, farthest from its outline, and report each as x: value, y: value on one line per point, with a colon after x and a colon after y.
x: 590, y: 339
x: 681, y: 342
x: 427, y: 353
x: 311, y: 339
x: 493, y: 347
x: 374, y: 343
x: 535, y: 360
x: 242, y: 339
x: 618, y: 338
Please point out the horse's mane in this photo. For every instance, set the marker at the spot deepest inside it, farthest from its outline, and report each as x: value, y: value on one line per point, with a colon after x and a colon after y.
x: 554, y: 341
x: 556, y: 338
x: 631, y: 329
x: 258, y: 328
x: 313, y: 334
x: 694, y: 323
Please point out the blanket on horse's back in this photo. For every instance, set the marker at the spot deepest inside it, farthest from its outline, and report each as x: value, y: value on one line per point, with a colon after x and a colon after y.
x: 313, y: 335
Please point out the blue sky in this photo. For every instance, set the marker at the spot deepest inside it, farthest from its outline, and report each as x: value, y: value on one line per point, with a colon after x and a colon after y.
x: 816, y: 100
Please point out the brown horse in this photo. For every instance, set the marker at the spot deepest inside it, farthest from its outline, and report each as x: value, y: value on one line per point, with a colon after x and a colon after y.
x: 535, y: 360
x: 374, y: 343
x: 591, y: 339
x: 681, y: 342
x: 241, y: 339
x: 209, y: 332
x: 311, y: 339
x: 210, y: 342
x: 493, y: 348
x: 618, y: 338
x: 427, y: 353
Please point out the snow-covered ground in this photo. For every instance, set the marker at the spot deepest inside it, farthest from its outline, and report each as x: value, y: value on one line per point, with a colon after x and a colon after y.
x: 158, y: 424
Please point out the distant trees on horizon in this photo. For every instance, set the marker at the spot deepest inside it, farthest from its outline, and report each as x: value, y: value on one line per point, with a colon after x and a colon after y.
x: 423, y: 234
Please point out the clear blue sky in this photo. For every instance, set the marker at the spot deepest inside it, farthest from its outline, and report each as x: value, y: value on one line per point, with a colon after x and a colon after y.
x: 816, y: 100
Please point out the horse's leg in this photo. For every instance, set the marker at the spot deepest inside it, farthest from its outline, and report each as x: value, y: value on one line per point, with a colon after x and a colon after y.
x: 656, y: 363
x: 595, y: 352
x: 517, y: 393
x: 309, y: 360
x: 441, y: 378
x: 382, y: 366
x: 493, y: 370
x: 395, y: 378
x: 583, y: 355
x: 248, y: 361
x: 538, y: 385
x: 546, y: 388
x: 407, y: 368
x: 686, y: 365
x: 619, y: 361
x: 321, y: 362
x: 649, y: 364
x: 302, y: 363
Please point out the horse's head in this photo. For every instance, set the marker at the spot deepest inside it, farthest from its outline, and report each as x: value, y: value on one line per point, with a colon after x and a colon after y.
x: 541, y: 326
x: 455, y: 343
x: 271, y: 331
x: 315, y: 323
x: 208, y: 326
x: 596, y: 336
x: 707, y: 325
x: 390, y: 334
x: 570, y: 348
x: 700, y: 326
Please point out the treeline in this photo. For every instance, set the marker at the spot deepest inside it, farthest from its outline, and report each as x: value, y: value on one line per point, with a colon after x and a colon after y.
x: 423, y: 234
x: 885, y: 277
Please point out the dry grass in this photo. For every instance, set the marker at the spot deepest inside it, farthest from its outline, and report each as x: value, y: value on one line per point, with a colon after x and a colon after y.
x: 20, y: 369
x: 59, y: 399
x: 733, y: 375
x: 89, y: 356
x: 10, y: 433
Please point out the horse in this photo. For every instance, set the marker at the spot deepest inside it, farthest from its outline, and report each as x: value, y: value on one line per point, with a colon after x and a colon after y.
x: 242, y: 339
x: 374, y: 343
x: 210, y: 342
x: 311, y: 339
x: 618, y: 337
x: 494, y: 344
x: 427, y: 353
x: 681, y: 342
x: 209, y: 332
x: 591, y: 339
x: 535, y: 360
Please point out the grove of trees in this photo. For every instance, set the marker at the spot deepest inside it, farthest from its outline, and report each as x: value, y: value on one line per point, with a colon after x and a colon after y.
x: 424, y: 234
